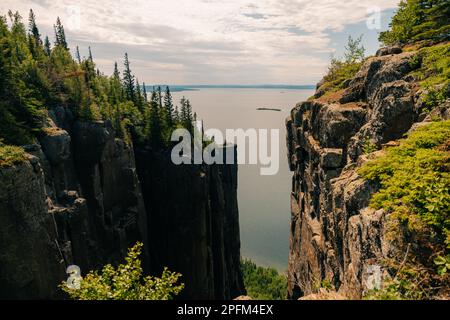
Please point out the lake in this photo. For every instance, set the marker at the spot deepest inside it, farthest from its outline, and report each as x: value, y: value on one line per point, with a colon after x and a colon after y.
x: 264, y: 201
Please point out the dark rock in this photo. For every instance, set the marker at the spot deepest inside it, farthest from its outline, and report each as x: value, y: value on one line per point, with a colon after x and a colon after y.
x: 388, y: 51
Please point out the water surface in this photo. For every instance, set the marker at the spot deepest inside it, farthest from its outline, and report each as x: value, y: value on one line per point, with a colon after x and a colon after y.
x: 264, y: 204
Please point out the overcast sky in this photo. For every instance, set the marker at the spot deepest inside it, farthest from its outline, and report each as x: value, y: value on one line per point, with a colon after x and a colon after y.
x: 211, y: 41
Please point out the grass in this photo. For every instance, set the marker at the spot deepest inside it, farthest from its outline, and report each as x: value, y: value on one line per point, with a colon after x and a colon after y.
x: 11, y: 155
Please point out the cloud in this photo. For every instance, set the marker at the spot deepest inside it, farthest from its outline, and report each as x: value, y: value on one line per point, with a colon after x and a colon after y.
x: 200, y: 41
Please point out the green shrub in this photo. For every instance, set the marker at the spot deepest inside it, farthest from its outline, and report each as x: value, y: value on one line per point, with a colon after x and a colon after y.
x: 11, y: 155
x: 344, y: 69
x: 414, y: 181
x: 126, y: 282
x: 434, y: 74
x: 263, y: 283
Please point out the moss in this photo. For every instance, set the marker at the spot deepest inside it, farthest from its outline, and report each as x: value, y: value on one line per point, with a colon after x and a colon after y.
x: 11, y: 155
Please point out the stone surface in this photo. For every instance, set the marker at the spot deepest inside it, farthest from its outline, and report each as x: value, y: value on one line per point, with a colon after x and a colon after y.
x: 335, y: 237
x: 78, y: 200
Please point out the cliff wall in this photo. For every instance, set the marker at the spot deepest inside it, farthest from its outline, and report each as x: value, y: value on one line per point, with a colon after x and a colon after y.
x: 80, y: 199
x: 335, y: 237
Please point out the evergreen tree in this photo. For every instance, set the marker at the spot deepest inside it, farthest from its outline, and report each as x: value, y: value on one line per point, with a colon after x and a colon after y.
x: 91, y: 59
x: 144, y: 88
x: 33, y: 29
x: 128, y: 80
x: 154, y: 121
x: 47, y: 48
x: 60, y: 35
x: 168, y: 106
x: 78, y: 56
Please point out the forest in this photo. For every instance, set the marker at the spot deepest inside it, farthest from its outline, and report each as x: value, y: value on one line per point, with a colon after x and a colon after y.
x: 37, y: 75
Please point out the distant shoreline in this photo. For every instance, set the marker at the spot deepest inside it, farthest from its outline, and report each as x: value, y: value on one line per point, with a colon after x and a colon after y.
x: 179, y: 88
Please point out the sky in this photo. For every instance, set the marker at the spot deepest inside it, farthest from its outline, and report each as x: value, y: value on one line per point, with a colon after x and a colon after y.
x: 210, y: 41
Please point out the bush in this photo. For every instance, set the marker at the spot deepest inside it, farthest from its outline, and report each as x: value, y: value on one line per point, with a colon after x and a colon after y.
x: 263, y: 283
x: 433, y: 74
x: 341, y: 70
x: 126, y: 282
x: 414, y: 181
x: 11, y: 155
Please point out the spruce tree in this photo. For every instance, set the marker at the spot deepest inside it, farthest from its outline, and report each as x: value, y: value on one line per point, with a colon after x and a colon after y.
x: 168, y: 107
x: 47, y: 48
x: 77, y: 54
x: 154, y: 121
x: 128, y: 80
x: 60, y: 35
x: 33, y: 29
x: 144, y: 93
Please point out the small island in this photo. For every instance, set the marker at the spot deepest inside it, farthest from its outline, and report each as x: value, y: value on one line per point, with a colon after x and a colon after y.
x: 268, y: 109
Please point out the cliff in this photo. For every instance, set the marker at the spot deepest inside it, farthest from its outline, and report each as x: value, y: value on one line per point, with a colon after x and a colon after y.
x: 336, y: 237
x: 81, y: 198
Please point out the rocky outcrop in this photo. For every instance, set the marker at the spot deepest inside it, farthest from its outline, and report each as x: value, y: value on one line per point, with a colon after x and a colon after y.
x: 81, y: 199
x: 335, y: 237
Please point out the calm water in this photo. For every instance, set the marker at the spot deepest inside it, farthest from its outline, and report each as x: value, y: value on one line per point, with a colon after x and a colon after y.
x: 264, y: 203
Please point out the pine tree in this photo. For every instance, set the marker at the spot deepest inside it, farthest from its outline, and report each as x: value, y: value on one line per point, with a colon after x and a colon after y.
x: 144, y: 93
x: 60, y: 35
x: 90, y: 55
x: 128, y: 80
x: 33, y: 29
x: 154, y: 121
x: 47, y: 48
x: 139, y: 99
x: 168, y: 106
x: 78, y: 56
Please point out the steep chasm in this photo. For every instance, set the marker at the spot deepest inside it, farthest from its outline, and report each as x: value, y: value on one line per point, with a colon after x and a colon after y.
x: 82, y: 198
x: 336, y: 238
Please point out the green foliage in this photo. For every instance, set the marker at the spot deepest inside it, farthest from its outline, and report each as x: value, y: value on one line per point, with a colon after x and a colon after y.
x: 414, y: 181
x: 263, y: 283
x: 341, y: 70
x: 443, y: 264
x: 369, y: 146
x: 418, y: 20
x: 36, y: 78
x: 126, y: 282
x: 433, y: 74
x: 10, y: 155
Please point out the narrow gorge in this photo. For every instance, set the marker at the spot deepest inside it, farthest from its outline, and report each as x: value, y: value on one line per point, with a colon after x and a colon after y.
x: 84, y: 196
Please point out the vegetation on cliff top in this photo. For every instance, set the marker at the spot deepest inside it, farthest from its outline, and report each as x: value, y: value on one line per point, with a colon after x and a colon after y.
x: 341, y: 70
x: 126, y: 282
x: 37, y: 77
x: 414, y: 183
x: 10, y: 155
x: 263, y: 283
x: 417, y: 20
x: 433, y: 74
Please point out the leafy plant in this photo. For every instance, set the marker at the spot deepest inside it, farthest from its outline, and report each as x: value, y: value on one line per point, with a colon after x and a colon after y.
x: 126, y: 282
x: 443, y: 264
x: 263, y: 283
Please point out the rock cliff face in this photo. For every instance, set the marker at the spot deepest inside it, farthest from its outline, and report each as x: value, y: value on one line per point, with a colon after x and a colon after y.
x: 80, y: 199
x: 334, y: 235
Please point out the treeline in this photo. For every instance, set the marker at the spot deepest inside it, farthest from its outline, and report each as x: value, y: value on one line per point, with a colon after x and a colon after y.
x: 263, y: 283
x: 36, y: 76
x: 417, y: 20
